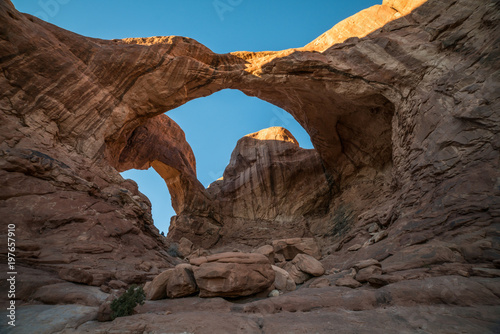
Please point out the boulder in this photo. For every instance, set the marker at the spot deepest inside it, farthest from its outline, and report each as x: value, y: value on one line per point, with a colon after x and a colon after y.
x: 366, y: 273
x: 289, y: 248
x: 283, y: 281
x: 295, y: 273
x: 303, y: 267
x: 181, y: 282
x: 172, y: 283
x: 104, y: 312
x: 157, y: 289
x: 266, y: 250
x: 308, y: 264
x: 233, y: 274
x: 185, y: 247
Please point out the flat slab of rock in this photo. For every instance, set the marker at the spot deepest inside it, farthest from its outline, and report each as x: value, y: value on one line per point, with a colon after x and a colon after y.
x: 354, y: 247
x: 187, y: 304
x: 419, y: 256
x: 48, y: 319
x: 366, y: 263
x: 321, y: 282
x: 381, y: 280
x: 348, y: 281
x: 486, y: 272
x: 76, y: 275
x: 231, y: 257
x: 387, y: 320
x: 184, y: 322
x: 69, y: 293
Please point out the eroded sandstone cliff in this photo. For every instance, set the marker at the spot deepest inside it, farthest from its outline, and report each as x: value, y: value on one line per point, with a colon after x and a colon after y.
x: 401, y: 102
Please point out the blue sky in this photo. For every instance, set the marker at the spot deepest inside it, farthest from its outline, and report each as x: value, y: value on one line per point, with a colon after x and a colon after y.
x: 212, y: 124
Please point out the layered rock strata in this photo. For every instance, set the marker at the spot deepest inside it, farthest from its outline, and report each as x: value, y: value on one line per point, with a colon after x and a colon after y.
x: 270, y: 187
x: 377, y: 109
x: 403, y: 118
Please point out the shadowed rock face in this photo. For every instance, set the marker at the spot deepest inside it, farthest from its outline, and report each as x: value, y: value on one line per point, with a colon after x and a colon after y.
x: 401, y: 102
x: 160, y: 143
x: 402, y: 119
x: 271, y: 187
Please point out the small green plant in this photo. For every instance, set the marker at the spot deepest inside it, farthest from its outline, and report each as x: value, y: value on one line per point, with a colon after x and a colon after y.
x: 343, y: 219
x: 125, y: 304
x: 173, y: 250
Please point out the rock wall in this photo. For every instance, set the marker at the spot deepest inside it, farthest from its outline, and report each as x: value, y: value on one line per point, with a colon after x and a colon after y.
x: 271, y: 188
x: 402, y: 116
x: 403, y: 119
x: 401, y: 190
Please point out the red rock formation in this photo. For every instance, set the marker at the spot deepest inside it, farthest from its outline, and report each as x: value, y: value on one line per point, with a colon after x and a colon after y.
x: 403, y: 117
x: 160, y: 143
x: 258, y: 194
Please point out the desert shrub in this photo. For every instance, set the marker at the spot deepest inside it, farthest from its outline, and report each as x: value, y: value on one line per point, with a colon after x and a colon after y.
x: 125, y: 304
x: 173, y: 250
x: 343, y: 219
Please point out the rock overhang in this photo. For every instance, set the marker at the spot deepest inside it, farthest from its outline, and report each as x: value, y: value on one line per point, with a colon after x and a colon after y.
x: 404, y: 91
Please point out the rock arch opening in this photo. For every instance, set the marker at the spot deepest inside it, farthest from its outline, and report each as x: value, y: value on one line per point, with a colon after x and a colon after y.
x: 264, y: 173
x: 347, y: 114
x: 213, y: 125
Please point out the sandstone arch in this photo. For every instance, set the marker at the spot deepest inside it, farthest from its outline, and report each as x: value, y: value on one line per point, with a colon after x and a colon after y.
x: 423, y: 75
